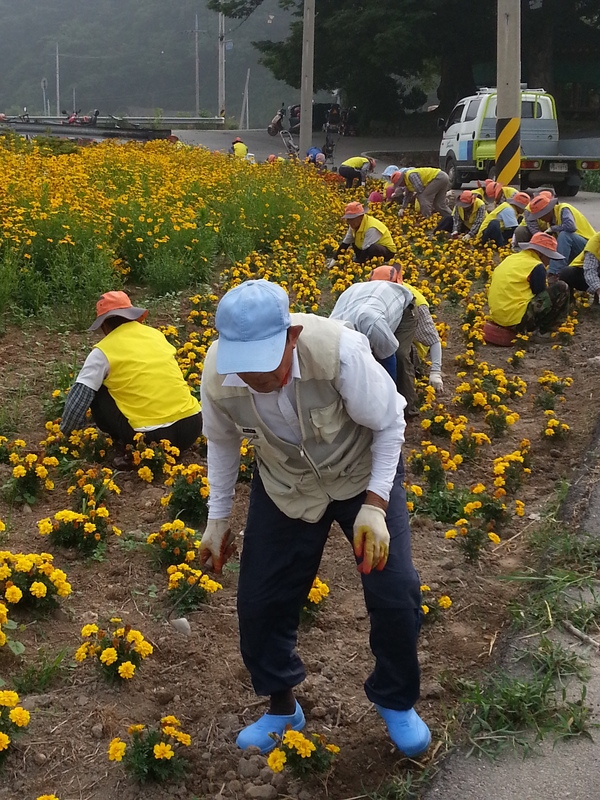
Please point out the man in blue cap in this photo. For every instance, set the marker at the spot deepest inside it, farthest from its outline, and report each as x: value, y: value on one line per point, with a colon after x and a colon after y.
x: 327, y: 426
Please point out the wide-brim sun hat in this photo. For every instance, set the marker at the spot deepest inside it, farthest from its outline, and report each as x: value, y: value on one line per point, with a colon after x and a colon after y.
x: 541, y: 205
x: 116, y: 304
x: 520, y: 200
x: 252, y: 320
x: 353, y: 210
x: 543, y: 243
x: 387, y: 272
x: 465, y: 199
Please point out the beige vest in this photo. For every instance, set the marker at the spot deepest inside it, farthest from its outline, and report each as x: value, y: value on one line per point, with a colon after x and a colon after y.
x: 333, y: 460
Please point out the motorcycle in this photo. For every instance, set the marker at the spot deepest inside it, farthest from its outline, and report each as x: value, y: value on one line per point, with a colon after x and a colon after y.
x: 276, y: 124
x: 349, y: 122
x: 87, y: 119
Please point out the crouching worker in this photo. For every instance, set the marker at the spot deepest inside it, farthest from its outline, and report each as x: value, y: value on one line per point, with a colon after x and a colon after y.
x: 583, y: 273
x: 369, y: 237
x: 132, y: 382
x: 469, y: 213
x: 499, y: 224
x: 519, y: 296
x: 384, y: 313
x: 426, y: 338
x: 327, y: 426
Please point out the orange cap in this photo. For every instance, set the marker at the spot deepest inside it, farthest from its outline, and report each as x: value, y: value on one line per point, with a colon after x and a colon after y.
x: 387, y: 272
x: 353, y: 210
x: 541, y: 205
x: 116, y: 304
x: 520, y: 199
x: 543, y: 243
x: 466, y: 199
x: 396, y: 176
x: 491, y: 188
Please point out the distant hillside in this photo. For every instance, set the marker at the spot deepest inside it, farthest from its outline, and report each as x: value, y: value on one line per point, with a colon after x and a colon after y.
x: 125, y: 55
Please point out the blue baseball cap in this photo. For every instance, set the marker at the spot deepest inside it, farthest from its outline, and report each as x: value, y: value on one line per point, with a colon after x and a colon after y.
x: 252, y: 321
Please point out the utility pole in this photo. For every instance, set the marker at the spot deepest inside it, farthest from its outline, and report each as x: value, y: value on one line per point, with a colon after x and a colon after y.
x: 44, y: 87
x: 221, y: 111
x: 306, y: 87
x: 508, y: 108
x: 197, y: 69
x: 57, y: 83
x: 244, y: 113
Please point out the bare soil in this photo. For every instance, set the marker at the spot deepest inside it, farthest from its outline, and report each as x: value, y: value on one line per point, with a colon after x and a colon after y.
x: 201, y: 679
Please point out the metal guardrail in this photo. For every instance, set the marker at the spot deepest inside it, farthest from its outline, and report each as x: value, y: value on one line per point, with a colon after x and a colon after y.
x: 146, y: 122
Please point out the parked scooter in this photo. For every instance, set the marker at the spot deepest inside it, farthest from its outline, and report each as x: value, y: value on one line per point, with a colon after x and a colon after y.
x: 74, y: 118
x: 276, y: 124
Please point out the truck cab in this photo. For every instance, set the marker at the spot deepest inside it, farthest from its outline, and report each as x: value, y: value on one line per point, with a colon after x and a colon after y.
x: 468, y: 146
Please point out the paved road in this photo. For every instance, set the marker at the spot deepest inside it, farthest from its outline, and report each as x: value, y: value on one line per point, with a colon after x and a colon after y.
x: 261, y: 144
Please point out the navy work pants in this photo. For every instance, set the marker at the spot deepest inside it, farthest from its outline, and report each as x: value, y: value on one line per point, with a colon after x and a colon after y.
x: 279, y: 562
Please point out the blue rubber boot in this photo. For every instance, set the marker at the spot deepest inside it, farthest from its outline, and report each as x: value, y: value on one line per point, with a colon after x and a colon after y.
x: 257, y: 734
x: 407, y: 730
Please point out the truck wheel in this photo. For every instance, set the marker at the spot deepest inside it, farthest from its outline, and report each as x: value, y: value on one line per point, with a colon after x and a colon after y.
x: 453, y: 174
x: 565, y: 189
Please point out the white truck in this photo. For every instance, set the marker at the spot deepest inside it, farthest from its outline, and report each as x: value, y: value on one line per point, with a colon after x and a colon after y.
x: 468, y: 147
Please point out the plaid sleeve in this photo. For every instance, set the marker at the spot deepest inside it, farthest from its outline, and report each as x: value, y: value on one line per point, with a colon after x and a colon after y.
x: 456, y: 220
x: 79, y: 399
x: 426, y: 332
x: 591, y: 270
x: 477, y: 221
x: 417, y: 183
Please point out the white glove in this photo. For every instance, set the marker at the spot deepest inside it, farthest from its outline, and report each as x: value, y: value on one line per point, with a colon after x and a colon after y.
x: 330, y: 263
x: 217, y: 544
x: 401, y: 213
x: 371, y: 538
x: 435, y: 379
x: 467, y: 237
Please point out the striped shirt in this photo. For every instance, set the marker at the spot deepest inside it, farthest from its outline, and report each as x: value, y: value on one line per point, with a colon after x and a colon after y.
x: 375, y: 309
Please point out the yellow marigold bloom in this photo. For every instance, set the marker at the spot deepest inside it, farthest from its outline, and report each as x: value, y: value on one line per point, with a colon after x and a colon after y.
x: 13, y: 594
x: 8, y: 698
x: 102, y: 511
x: 19, y: 716
x: 4, y: 741
x: 89, y: 527
x: 2, y: 526
x: 19, y: 471
x: 162, y: 750
x: 170, y: 720
x: 135, y: 728
x: 3, y: 613
x: 425, y: 588
x: 494, y: 538
x: 333, y: 748
x: 127, y: 670
x: 519, y: 508
x: 478, y: 489
x: 144, y: 648
x: 116, y: 749
x: 38, y: 589
x: 146, y: 474
x: 183, y: 738
x: 108, y: 656
x: 47, y: 797
x: 444, y: 601
x: 425, y: 608
x: 416, y: 490
x: 89, y: 630
x: 451, y: 534
x: 82, y: 652
x: 276, y: 760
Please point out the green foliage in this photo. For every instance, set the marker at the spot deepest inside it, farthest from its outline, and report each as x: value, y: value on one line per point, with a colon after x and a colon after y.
x: 550, y: 659
x: 504, y: 712
x: 591, y: 182
x: 40, y: 675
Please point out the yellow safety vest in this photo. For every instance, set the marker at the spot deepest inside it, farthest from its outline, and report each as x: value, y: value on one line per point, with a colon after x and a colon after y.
x: 492, y: 215
x: 583, y: 226
x: 426, y: 174
x: 470, y: 219
x: 356, y: 163
x: 240, y: 150
x: 593, y: 246
x: 420, y: 299
x: 509, y: 191
x: 370, y: 222
x: 510, y: 292
x: 145, y: 380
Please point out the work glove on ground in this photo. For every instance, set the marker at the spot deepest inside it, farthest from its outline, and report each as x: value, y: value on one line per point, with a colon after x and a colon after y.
x: 330, y: 263
x: 217, y: 545
x: 467, y: 237
x: 371, y: 538
x: 435, y: 379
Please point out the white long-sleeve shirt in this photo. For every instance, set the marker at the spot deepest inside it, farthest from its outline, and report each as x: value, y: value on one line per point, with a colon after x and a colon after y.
x: 369, y: 396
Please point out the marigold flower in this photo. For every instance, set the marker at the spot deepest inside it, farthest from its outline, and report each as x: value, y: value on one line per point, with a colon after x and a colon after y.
x: 444, y: 601
x: 163, y: 750
x: 4, y: 741
x: 108, y: 656
x: 19, y: 716
x: 13, y: 594
x: 127, y: 670
x: 38, y: 589
x: 276, y: 760
x: 494, y: 538
x: 116, y: 749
